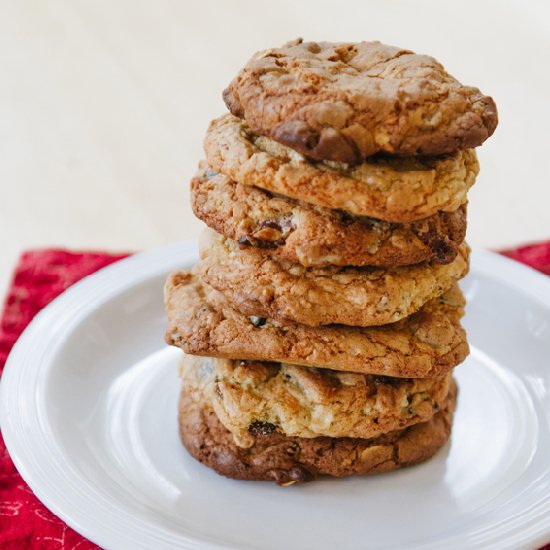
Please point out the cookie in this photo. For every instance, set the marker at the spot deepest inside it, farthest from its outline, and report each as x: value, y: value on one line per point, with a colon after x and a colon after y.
x: 425, y: 345
x: 256, y: 284
x: 311, y: 235
x: 346, y: 101
x: 254, y: 396
x: 287, y: 459
x: 394, y: 189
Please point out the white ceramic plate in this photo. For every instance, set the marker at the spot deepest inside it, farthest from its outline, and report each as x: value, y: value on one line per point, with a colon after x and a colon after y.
x: 88, y: 413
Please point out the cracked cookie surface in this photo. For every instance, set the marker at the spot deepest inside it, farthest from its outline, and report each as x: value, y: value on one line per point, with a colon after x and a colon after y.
x: 425, y: 345
x: 251, y: 397
x: 288, y: 459
x: 394, y: 189
x: 347, y: 101
x: 311, y: 235
x: 258, y: 285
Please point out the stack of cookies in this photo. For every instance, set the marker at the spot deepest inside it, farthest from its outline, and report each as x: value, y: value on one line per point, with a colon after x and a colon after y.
x: 322, y: 324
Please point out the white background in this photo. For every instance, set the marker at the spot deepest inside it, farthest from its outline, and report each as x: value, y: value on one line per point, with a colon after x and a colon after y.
x: 104, y: 104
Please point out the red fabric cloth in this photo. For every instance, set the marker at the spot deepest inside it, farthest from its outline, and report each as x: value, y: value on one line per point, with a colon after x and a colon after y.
x: 40, y: 276
x: 535, y: 255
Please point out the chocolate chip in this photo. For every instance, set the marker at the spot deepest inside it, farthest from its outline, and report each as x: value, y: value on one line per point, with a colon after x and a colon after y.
x: 272, y: 224
x: 297, y: 474
x: 346, y: 217
x: 257, y: 321
x: 259, y: 243
x: 444, y: 251
x: 386, y: 380
x: 300, y: 474
x: 334, y: 382
x: 296, y: 134
x: 269, y: 233
x: 245, y: 241
x: 261, y: 428
x: 283, y: 224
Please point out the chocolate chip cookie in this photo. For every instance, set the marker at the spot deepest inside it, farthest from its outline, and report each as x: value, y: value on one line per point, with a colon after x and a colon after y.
x: 347, y: 101
x: 256, y: 284
x: 256, y: 396
x: 394, y: 189
x: 425, y: 345
x: 288, y: 459
x: 311, y: 235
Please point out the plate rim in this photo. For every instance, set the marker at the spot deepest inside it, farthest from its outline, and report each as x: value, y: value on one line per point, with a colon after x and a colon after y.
x: 101, y: 286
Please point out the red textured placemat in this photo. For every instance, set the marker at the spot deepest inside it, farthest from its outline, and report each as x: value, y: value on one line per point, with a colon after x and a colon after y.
x: 535, y: 255
x: 40, y: 276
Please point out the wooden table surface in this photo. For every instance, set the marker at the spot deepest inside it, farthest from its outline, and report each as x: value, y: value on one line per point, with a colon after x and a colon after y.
x: 104, y: 104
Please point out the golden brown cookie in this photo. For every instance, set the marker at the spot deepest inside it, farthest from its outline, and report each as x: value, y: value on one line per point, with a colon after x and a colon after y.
x: 287, y: 459
x: 394, y: 189
x: 256, y: 284
x: 311, y: 235
x: 425, y: 345
x: 252, y: 396
x: 345, y: 101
